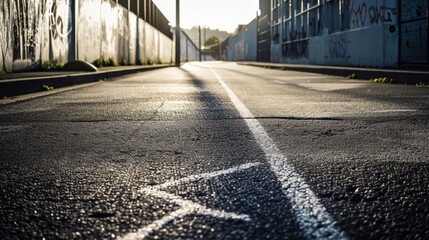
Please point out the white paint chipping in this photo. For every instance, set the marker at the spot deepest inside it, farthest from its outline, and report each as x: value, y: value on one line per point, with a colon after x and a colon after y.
x: 186, y: 207
x: 311, y: 215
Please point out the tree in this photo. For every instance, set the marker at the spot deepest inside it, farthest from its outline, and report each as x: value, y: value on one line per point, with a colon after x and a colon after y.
x: 212, y: 41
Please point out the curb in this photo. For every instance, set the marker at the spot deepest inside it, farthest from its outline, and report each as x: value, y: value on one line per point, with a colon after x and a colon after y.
x: 399, y: 76
x: 15, y: 87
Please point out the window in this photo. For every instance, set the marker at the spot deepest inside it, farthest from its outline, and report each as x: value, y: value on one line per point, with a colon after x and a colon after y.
x: 287, y: 9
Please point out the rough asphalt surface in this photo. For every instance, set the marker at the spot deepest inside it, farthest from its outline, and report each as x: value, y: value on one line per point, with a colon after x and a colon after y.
x: 168, y: 154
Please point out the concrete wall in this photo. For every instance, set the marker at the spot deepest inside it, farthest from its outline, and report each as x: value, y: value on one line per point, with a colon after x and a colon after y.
x: 33, y: 31
x: 366, y: 47
x: 364, y: 34
x: 242, y: 45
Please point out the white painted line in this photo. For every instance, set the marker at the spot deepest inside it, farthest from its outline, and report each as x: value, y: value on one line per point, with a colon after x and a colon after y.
x: 207, y: 175
x: 186, y: 207
x: 194, y: 207
x: 311, y: 215
x: 149, y: 229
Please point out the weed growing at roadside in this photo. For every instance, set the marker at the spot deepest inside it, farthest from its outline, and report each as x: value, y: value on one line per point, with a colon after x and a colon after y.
x: 124, y: 62
x: 140, y: 62
x: 49, y: 65
x: 102, y: 62
x: 48, y: 88
x: 381, y: 80
x: 422, y: 85
x: 149, y: 62
x: 353, y: 76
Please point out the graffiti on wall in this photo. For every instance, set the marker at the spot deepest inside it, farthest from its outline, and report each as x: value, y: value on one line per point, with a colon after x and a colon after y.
x: 26, y: 20
x: 5, y: 36
x: 60, y: 26
x: 33, y: 30
x: 338, y: 47
x: 363, y: 13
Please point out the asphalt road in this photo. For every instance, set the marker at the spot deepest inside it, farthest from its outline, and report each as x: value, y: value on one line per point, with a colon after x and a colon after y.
x: 217, y: 151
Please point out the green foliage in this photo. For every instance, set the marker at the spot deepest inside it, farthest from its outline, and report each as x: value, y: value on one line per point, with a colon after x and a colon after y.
x: 212, y: 41
x: 124, y: 62
x: 149, y: 62
x: 50, y: 65
x: 110, y: 63
x: 381, y: 80
x: 48, y: 88
x: 145, y: 62
x: 98, y: 63
x: 283, y: 68
x: 422, y: 85
x: 353, y: 76
x: 102, y: 62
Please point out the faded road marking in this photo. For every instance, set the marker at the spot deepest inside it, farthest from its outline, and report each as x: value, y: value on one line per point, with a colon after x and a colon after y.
x: 311, y: 215
x: 186, y: 207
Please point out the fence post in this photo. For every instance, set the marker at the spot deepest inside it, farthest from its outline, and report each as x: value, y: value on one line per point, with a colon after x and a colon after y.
x: 178, y: 59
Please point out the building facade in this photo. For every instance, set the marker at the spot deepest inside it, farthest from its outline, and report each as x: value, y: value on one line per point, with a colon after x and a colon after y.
x: 264, y: 37
x: 360, y: 33
x: 242, y: 45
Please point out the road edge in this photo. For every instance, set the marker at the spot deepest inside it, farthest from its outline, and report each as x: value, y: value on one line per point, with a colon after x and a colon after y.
x: 24, y: 86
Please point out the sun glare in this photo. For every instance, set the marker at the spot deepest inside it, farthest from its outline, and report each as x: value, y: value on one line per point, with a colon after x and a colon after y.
x: 216, y: 14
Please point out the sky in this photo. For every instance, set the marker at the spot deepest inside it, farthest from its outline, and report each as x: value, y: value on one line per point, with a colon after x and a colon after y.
x: 216, y: 14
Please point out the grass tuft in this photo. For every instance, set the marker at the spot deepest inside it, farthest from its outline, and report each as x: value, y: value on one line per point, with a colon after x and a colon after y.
x: 50, y: 65
x: 381, y: 80
x: 48, y: 88
x: 353, y: 76
x: 422, y: 85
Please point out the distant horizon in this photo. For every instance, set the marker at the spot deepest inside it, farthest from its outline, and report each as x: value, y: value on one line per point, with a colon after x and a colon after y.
x: 224, y: 15
x: 202, y: 27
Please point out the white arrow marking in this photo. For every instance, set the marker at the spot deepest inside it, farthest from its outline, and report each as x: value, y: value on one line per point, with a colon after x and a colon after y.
x: 186, y: 207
